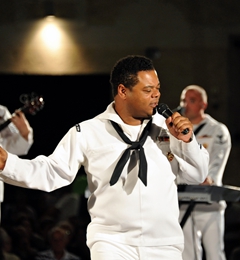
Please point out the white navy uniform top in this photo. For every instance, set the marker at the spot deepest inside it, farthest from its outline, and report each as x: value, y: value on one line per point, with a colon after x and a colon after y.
x: 215, y: 137
x: 12, y: 141
x: 127, y: 212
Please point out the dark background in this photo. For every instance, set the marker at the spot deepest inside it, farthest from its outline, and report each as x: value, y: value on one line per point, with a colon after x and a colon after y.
x: 68, y: 100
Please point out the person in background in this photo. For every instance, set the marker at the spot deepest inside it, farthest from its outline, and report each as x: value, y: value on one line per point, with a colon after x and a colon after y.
x: 205, y: 226
x: 16, y: 137
x: 235, y: 254
x: 58, y: 240
x: 130, y: 169
x: 6, y: 246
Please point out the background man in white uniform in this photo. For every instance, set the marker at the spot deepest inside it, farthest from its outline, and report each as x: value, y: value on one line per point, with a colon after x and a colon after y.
x: 206, y: 222
x: 131, y: 177
x: 16, y: 137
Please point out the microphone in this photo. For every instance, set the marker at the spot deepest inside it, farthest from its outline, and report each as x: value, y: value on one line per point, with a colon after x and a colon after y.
x: 165, y: 111
x: 178, y: 109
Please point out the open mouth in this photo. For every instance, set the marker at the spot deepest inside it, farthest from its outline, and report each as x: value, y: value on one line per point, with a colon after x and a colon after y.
x: 153, y: 105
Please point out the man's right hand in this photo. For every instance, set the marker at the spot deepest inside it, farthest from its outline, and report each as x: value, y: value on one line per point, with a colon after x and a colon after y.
x: 208, y: 181
x: 3, y: 158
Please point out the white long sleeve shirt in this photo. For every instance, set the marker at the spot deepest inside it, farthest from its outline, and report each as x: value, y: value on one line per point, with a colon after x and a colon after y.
x: 12, y: 141
x: 127, y: 212
x: 215, y: 137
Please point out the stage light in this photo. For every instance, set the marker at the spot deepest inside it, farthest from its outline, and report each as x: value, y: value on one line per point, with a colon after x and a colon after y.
x: 51, y: 34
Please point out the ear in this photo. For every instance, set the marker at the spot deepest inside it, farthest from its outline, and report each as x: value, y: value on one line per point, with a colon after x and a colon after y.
x: 204, y: 106
x: 122, y: 91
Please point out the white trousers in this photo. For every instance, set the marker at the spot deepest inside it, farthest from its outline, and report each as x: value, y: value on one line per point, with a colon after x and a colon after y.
x: 104, y: 250
x: 207, y: 229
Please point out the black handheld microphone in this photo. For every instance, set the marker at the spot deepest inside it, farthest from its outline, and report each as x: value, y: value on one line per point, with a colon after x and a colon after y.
x: 165, y: 111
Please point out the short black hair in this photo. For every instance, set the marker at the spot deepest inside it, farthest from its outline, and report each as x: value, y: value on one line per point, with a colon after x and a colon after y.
x: 126, y: 69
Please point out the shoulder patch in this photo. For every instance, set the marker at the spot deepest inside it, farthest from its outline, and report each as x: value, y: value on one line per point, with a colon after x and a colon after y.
x: 78, y: 128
